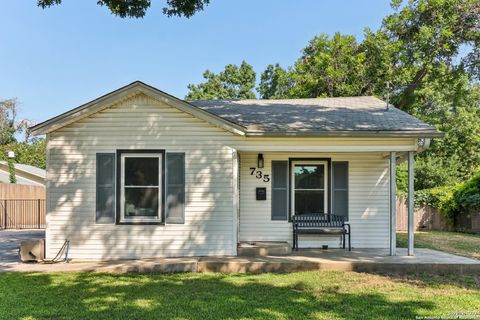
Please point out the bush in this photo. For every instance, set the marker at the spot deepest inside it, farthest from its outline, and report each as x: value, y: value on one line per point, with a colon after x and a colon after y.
x: 468, y: 195
x: 452, y: 200
x: 442, y: 198
x: 429, y: 173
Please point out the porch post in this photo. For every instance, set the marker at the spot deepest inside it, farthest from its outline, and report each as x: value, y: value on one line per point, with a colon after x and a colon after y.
x: 236, y: 199
x: 410, y: 203
x: 393, y: 204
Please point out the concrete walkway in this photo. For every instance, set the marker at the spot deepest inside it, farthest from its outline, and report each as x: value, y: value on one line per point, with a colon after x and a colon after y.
x: 367, y: 260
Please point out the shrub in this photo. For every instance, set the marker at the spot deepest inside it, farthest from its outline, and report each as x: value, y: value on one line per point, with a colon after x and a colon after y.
x: 468, y: 195
x: 452, y: 200
x: 442, y: 198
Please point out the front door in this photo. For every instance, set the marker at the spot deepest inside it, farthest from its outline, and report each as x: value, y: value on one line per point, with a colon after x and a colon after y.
x: 309, y: 187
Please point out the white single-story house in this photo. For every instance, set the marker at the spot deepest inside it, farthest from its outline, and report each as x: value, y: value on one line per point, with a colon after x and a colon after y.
x: 139, y: 173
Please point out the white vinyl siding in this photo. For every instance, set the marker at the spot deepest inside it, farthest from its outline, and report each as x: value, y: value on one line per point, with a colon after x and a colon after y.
x: 140, y: 123
x: 368, y: 201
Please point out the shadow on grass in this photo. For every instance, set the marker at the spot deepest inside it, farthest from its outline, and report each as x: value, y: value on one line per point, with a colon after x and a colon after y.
x: 189, y: 296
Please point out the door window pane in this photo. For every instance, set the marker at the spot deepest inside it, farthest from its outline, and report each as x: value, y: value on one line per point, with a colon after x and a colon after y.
x: 309, y: 176
x: 309, y: 188
x: 308, y: 202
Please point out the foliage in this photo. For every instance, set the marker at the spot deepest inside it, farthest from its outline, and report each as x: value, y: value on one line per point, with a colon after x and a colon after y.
x: 452, y: 200
x: 298, y: 295
x: 186, y: 8
x: 32, y: 152
x: 232, y: 83
x: 442, y: 198
x: 452, y: 104
x: 468, y: 195
x: 330, y: 67
x: 11, y: 171
x: 276, y: 82
x: 138, y: 8
x: 430, y: 172
x: 9, y: 126
x: 429, y: 34
x: 27, y: 150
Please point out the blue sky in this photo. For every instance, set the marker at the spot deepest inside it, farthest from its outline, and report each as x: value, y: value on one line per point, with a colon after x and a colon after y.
x: 56, y: 59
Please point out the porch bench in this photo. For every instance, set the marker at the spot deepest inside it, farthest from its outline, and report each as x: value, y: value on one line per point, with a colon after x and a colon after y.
x: 320, y: 224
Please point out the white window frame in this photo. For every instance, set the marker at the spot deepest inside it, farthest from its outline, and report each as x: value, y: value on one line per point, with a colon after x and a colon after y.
x: 158, y: 217
x: 325, y: 179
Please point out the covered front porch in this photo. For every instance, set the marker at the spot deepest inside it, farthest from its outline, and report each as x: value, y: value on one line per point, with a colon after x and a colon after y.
x: 356, y: 182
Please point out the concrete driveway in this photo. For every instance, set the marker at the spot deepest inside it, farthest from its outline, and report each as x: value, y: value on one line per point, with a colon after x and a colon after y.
x: 10, y: 241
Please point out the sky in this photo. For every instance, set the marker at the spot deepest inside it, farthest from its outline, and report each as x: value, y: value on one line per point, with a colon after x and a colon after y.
x: 56, y: 59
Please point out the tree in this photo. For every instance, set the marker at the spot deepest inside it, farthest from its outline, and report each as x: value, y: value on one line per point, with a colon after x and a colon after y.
x: 9, y: 126
x: 28, y: 150
x: 276, y: 82
x: 232, y: 83
x: 451, y: 103
x: 330, y: 67
x: 138, y: 8
x: 429, y: 34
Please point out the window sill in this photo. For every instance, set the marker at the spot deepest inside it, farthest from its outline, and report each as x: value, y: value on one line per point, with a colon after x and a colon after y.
x: 141, y: 222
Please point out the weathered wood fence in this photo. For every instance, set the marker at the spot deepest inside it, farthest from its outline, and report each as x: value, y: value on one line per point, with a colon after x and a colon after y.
x: 425, y: 218
x: 22, y: 207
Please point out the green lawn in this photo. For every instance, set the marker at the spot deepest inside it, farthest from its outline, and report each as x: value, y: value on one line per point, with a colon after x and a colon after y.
x: 463, y: 244
x: 307, y: 295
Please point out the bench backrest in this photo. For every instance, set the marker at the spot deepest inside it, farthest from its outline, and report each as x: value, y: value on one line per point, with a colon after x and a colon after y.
x: 317, y: 221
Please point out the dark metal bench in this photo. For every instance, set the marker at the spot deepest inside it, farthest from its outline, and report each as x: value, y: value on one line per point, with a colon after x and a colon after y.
x: 320, y: 224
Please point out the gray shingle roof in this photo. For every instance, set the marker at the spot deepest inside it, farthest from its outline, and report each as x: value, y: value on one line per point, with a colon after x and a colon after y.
x: 363, y: 114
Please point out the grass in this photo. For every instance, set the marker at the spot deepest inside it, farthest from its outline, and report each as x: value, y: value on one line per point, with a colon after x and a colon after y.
x: 462, y: 244
x: 307, y: 295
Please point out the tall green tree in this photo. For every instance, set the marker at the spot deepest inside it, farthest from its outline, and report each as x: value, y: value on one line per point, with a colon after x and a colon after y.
x: 427, y: 35
x: 138, y: 8
x: 330, y: 67
x: 276, y: 82
x: 232, y: 83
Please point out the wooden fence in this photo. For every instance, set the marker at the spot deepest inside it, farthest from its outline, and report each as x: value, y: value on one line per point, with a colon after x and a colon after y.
x: 22, y: 214
x: 22, y: 207
x: 425, y: 218
x: 20, y: 191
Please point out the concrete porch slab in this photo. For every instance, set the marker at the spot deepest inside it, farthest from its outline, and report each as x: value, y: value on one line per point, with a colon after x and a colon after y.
x: 367, y: 260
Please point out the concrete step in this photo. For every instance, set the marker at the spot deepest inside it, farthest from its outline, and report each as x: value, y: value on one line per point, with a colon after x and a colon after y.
x: 263, y: 249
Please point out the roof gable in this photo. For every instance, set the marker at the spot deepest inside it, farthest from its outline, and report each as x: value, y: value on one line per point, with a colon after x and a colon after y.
x: 126, y: 92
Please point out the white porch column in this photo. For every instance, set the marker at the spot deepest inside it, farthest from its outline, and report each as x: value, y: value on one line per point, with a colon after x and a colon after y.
x: 393, y: 204
x: 236, y: 199
x: 410, y: 203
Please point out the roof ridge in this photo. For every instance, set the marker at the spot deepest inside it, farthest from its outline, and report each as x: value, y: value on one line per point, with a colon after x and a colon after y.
x: 283, y: 99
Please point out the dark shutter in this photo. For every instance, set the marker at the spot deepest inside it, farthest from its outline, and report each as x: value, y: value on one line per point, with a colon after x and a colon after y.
x: 105, y: 195
x: 340, y: 188
x: 279, y: 190
x: 175, y: 193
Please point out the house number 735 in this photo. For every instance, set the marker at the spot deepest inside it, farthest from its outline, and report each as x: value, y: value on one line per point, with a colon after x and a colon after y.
x: 259, y: 174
